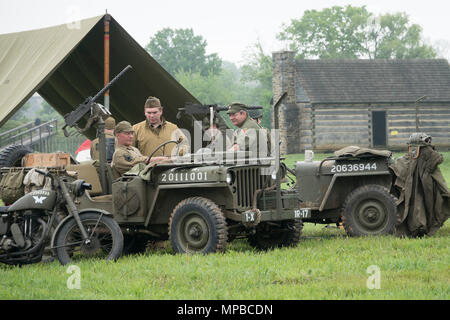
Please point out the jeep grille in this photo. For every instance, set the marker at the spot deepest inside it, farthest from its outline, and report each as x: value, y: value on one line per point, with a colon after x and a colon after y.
x: 247, y: 181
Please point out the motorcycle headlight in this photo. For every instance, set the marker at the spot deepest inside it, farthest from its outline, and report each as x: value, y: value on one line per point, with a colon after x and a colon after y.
x: 79, y: 186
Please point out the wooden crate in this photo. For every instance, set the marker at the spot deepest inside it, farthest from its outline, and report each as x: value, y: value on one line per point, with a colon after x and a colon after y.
x: 57, y: 159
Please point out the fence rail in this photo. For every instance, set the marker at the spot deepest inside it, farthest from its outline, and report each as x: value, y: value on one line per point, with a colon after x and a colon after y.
x: 41, y: 138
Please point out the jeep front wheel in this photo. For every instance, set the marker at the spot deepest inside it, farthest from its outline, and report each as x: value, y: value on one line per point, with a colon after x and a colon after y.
x: 197, y: 225
x: 370, y: 210
x: 276, y: 235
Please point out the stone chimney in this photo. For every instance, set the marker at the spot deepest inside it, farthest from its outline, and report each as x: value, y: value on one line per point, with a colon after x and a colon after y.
x: 284, y: 80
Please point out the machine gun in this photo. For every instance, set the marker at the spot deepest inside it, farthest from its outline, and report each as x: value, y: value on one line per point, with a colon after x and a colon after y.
x: 97, y: 112
x: 71, y: 119
x: 211, y: 109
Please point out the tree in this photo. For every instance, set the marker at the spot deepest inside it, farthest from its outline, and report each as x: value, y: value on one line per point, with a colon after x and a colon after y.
x: 391, y: 36
x: 180, y: 50
x: 353, y: 32
x: 257, y: 77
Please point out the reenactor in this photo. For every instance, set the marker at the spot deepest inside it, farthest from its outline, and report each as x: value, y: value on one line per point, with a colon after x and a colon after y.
x: 110, y: 123
x: 217, y: 140
x: 155, y: 130
x: 126, y: 156
x: 242, y: 140
x: 256, y: 114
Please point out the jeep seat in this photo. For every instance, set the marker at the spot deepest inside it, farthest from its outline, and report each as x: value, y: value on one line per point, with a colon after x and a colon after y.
x: 88, y: 173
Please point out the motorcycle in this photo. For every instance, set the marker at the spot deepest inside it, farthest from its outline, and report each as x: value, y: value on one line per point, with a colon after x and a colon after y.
x: 27, y: 225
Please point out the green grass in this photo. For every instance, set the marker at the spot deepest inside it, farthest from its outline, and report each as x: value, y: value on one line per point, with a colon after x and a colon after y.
x: 327, y: 264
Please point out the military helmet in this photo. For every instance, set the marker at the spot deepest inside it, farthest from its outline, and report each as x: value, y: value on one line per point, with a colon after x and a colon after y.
x: 420, y: 139
x: 206, y: 125
x: 255, y: 113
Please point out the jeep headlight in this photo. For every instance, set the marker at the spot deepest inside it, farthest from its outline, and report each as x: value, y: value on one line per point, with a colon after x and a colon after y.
x: 274, y: 175
x: 230, y: 178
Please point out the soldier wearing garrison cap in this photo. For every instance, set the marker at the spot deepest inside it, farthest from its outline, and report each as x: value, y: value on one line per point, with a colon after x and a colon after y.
x: 155, y: 130
x: 110, y: 123
x: 126, y: 156
x: 242, y: 139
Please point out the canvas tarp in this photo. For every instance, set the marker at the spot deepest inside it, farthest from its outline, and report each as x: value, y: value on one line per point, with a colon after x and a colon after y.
x: 65, y: 64
x: 424, y: 199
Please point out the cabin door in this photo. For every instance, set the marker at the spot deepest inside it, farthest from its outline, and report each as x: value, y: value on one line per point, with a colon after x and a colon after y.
x: 379, y: 130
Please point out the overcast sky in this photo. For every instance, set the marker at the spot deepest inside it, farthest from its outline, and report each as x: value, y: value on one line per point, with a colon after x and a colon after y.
x: 229, y: 27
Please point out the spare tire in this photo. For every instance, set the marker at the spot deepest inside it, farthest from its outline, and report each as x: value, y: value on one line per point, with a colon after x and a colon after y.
x: 11, y: 156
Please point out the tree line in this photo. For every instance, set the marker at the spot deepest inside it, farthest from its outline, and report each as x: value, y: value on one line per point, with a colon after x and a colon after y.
x: 332, y: 33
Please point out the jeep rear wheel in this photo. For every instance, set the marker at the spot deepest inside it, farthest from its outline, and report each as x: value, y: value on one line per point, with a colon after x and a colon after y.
x: 269, y: 236
x: 370, y: 210
x: 197, y: 225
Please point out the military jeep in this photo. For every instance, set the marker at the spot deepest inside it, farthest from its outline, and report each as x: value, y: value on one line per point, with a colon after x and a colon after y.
x: 200, y: 205
x: 352, y: 189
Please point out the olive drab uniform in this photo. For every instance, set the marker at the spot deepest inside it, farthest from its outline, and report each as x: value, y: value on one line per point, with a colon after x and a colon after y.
x: 124, y: 159
x: 147, y: 138
x: 246, y: 139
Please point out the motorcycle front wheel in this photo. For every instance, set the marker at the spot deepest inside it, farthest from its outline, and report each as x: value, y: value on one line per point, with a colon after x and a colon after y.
x: 105, y: 239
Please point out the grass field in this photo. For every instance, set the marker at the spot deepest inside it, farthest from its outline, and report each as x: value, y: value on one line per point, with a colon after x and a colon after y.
x: 325, y: 265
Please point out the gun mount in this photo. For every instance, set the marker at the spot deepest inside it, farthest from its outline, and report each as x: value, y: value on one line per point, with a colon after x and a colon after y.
x: 96, y: 117
x: 97, y: 111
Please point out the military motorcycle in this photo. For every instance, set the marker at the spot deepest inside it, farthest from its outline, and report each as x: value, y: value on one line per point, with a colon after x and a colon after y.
x: 27, y: 225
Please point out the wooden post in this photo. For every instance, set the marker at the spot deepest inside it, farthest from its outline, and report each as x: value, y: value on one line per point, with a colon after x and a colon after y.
x: 417, y: 111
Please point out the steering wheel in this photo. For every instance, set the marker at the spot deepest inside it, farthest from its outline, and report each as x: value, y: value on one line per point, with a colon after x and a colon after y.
x: 163, y: 145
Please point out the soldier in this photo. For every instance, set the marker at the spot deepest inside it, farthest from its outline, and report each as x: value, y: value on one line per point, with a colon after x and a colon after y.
x: 256, y: 115
x: 242, y: 140
x: 155, y: 130
x: 218, y: 141
x: 126, y: 156
x: 110, y: 123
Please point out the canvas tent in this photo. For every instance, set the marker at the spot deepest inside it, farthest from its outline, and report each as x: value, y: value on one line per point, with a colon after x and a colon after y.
x: 64, y: 64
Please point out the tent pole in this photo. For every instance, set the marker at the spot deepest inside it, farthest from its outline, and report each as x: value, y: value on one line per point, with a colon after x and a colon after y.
x: 107, y: 19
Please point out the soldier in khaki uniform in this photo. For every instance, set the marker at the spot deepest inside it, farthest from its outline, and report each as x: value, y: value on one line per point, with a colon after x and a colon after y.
x: 155, y: 130
x: 126, y: 156
x: 110, y: 123
x: 242, y: 140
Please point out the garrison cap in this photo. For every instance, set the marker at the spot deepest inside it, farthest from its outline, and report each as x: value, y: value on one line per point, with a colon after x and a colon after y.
x: 152, y: 102
x: 123, y: 126
x: 110, y: 123
x: 236, y: 107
